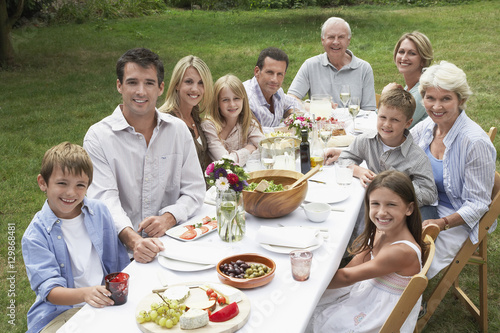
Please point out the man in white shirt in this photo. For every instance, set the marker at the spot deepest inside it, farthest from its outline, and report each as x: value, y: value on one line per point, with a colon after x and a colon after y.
x: 146, y: 168
x: 327, y: 72
x: 267, y: 100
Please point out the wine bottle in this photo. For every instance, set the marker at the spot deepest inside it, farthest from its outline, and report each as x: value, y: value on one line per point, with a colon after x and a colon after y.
x: 305, y: 156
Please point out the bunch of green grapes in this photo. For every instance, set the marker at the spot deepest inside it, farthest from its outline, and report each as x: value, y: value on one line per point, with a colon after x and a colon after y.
x: 165, y: 314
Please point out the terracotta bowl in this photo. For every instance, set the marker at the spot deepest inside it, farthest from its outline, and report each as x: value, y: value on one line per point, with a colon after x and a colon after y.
x: 249, y: 258
x: 274, y: 204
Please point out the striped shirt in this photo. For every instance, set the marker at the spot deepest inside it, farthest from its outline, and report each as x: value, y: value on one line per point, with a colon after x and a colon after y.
x: 261, y: 108
x: 468, y: 167
x: 407, y: 158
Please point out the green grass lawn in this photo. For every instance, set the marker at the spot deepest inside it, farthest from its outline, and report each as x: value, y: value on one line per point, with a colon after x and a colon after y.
x: 66, y: 82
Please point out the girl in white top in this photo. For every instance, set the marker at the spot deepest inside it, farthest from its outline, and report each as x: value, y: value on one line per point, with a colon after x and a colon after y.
x: 387, y: 255
x: 230, y: 126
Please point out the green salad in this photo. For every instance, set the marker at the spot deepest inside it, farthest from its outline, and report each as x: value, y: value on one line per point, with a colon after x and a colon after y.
x: 271, y: 187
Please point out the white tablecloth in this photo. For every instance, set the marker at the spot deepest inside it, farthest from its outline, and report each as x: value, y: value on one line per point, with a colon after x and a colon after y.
x: 284, y: 305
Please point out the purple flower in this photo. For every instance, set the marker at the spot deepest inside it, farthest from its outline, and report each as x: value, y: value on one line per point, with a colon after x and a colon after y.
x: 220, y: 172
x: 238, y: 187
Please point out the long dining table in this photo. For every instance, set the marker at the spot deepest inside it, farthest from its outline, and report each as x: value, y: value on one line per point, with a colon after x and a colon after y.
x: 283, y: 305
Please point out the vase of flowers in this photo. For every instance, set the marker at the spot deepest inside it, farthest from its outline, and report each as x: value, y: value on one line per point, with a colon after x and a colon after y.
x: 229, y: 180
x: 298, y: 123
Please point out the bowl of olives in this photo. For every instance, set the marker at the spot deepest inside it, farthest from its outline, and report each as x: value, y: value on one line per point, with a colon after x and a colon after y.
x: 246, y: 271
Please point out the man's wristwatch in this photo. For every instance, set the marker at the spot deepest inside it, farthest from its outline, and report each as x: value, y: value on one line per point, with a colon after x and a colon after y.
x: 446, y: 223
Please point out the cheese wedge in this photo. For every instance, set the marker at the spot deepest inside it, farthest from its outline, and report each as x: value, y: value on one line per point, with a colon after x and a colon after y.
x: 193, y: 318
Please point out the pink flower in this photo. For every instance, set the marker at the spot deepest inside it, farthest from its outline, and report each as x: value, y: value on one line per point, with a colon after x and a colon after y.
x: 210, y: 169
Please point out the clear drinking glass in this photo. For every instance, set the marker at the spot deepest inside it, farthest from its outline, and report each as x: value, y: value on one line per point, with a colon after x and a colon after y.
x: 345, y: 94
x: 301, y: 264
x: 354, y: 109
x: 267, y: 157
x: 343, y: 173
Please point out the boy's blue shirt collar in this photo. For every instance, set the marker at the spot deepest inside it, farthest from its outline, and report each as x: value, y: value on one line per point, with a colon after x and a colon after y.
x: 49, y: 218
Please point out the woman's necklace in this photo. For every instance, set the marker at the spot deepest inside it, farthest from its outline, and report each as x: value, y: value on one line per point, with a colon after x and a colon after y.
x: 185, y: 120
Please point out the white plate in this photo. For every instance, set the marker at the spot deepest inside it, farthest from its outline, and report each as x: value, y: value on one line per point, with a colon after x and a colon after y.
x: 321, y: 193
x: 286, y: 249
x: 182, y: 266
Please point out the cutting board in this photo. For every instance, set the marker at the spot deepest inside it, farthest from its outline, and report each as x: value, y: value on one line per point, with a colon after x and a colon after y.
x: 229, y: 326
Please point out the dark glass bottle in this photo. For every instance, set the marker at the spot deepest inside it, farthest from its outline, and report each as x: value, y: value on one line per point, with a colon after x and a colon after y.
x: 305, y: 156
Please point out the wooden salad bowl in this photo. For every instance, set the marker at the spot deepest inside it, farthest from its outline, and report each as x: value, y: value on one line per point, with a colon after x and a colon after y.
x: 274, y: 204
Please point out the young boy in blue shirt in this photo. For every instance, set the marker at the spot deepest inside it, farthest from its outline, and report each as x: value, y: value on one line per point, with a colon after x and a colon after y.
x: 71, y: 244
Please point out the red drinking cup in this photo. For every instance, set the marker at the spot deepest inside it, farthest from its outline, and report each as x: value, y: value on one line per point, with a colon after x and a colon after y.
x: 117, y: 284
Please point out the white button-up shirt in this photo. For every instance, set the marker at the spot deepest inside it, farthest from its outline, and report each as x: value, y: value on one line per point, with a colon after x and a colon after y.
x: 136, y: 180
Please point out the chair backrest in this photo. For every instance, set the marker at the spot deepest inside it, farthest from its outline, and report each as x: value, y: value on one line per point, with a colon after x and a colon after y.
x: 415, y: 287
x: 492, y: 133
x: 491, y: 215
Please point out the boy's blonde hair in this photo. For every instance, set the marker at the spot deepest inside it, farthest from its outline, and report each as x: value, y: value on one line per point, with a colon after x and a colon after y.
x: 246, y: 115
x: 399, y: 99
x: 70, y: 158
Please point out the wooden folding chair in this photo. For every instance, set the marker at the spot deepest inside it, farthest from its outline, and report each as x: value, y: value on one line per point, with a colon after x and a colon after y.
x: 415, y: 287
x: 492, y: 133
x: 377, y: 99
x: 469, y: 253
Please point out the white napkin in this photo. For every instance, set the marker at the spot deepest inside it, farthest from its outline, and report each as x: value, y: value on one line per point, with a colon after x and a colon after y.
x: 296, y: 237
x: 210, y: 195
x: 195, y: 252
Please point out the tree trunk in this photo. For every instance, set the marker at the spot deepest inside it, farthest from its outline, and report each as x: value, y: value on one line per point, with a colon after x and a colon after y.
x: 6, y: 23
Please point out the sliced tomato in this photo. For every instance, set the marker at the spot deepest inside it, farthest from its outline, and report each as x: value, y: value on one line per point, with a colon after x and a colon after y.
x: 203, y: 229
x: 206, y: 219
x: 190, y: 234
x: 213, y: 223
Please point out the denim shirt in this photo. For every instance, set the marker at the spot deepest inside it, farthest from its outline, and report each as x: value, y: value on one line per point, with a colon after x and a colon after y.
x: 48, y: 262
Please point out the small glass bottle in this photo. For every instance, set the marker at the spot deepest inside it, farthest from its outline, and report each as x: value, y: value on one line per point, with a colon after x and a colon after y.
x: 316, y: 150
x: 305, y: 157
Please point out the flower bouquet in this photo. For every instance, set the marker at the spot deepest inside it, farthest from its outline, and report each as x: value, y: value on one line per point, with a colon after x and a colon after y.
x: 229, y: 180
x: 299, y: 123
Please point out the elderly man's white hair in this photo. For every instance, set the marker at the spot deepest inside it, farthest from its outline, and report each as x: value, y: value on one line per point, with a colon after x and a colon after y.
x: 334, y: 20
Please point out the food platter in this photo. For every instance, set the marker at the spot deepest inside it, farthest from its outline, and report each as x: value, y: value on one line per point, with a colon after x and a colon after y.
x: 182, y: 266
x: 229, y: 326
x: 188, y: 227
x: 286, y: 249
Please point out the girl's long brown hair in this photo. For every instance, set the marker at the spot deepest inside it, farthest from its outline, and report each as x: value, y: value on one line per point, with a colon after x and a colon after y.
x: 400, y: 184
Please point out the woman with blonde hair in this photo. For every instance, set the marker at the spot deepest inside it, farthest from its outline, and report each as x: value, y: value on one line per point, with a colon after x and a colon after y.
x: 189, y: 95
x: 230, y: 126
x: 412, y: 53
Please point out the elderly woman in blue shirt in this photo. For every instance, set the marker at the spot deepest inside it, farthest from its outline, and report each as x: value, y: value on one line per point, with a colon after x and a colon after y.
x: 462, y: 158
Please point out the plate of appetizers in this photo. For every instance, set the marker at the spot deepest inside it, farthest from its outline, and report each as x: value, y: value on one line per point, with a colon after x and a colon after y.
x: 193, y: 231
x: 211, y: 306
